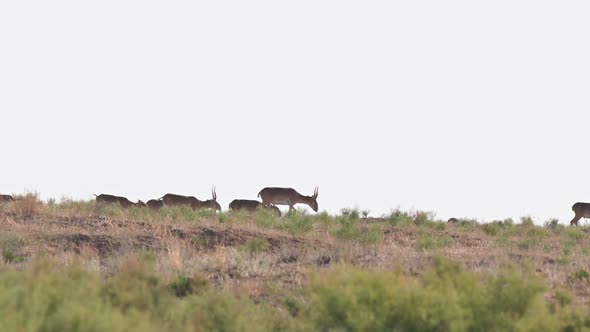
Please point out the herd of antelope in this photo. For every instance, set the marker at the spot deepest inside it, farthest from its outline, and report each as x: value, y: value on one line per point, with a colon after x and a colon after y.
x: 270, y: 196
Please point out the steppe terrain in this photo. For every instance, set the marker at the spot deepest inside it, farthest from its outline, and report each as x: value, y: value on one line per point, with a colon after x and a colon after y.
x: 65, y: 262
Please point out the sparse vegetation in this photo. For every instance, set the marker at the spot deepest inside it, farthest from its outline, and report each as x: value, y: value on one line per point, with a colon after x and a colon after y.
x: 427, y: 241
x: 78, y: 266
x: 255, y: 245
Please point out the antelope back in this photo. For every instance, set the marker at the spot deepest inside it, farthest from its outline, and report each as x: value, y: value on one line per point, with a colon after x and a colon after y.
x: 582, y: 209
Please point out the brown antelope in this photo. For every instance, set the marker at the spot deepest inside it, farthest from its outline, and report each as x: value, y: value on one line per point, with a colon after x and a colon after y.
x: 582, y: 210
x: 6, y: 198
x: 287, y: 196
x: 193, y: 202
x: 250, y: 206
x: 155, y: 204
x: 124, y: 202
x: 211, y: 203
x: 178, y: 200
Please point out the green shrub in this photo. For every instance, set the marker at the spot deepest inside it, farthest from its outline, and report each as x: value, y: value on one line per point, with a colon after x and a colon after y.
x: 427, y: 241
x: 508, y: 222
x: 324, y: 218
x: 492, y: 229
x: 534, y: 238
x: 10, y: 246
x: 372, y: 234
x: 352, y: 213
x: 296, y: 223
x: 223, y: 218
x: 467, y: 225
x: 400, y: 218
x: 527, y: 221
x: 265, y: 218
x: 572, y: 235
x: 581, y: 275
x: 421, y: 218
x: 184, y: 286
x: 48, y: 297
x: 552, y: 223
x: 503, y: 241
x: 445, y: 298
x: 348, y: 226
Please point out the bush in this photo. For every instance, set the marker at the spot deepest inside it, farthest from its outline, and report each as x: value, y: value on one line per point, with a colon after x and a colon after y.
x: 552, y: 223
x: 297, y: 223
x: 572, y: 235
x: 527, y: 221
x: 184, y: 286
x: 445, y: 298
x: 47, y: 297
x: 427, y: 241
x: 400, y: 218
x: 10, y: 246
x: 372, y: 234
x: 491, y: 229
x: 467, y: 225
x: 582, y: 275
x: 348, y: 227
x: 265, y: 218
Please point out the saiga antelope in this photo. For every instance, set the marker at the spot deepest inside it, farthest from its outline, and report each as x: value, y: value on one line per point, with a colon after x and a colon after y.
x: 123, y: 201
x: 582, y: 210
x: 250, y: 206
x: 193, y: 202
x: 155, y: 204
x: 288, y: 196
x: 211, y: 203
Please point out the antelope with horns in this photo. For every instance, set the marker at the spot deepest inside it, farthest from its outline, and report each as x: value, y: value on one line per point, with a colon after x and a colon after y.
x: 582, y: 210
x: 288, y: 196
x: 211, y: 203
x: 193, y: 202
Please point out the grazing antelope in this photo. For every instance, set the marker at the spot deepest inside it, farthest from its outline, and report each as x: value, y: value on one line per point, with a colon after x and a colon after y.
x: 244, y: 204
x: 250, y: 205
x: 210, y: 203
x: 6, y: 198
x: 453, y: 220
x: 124, y: 202
x: 582, y: 210
x: 177, y: 200
x: 155, y: 204
x: 287, y: 196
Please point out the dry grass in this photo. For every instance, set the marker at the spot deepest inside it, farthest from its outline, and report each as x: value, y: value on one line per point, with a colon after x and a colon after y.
x: 111, y: 239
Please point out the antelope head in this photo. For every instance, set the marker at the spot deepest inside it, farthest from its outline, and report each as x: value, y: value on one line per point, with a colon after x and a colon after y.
x: 212, y: 203
x: 313, y: 203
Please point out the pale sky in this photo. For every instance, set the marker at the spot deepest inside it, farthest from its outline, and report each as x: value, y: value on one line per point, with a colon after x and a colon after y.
x: 465, y: 108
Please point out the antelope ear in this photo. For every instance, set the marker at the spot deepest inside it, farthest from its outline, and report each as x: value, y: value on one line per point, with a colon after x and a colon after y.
x: 315, y: 193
